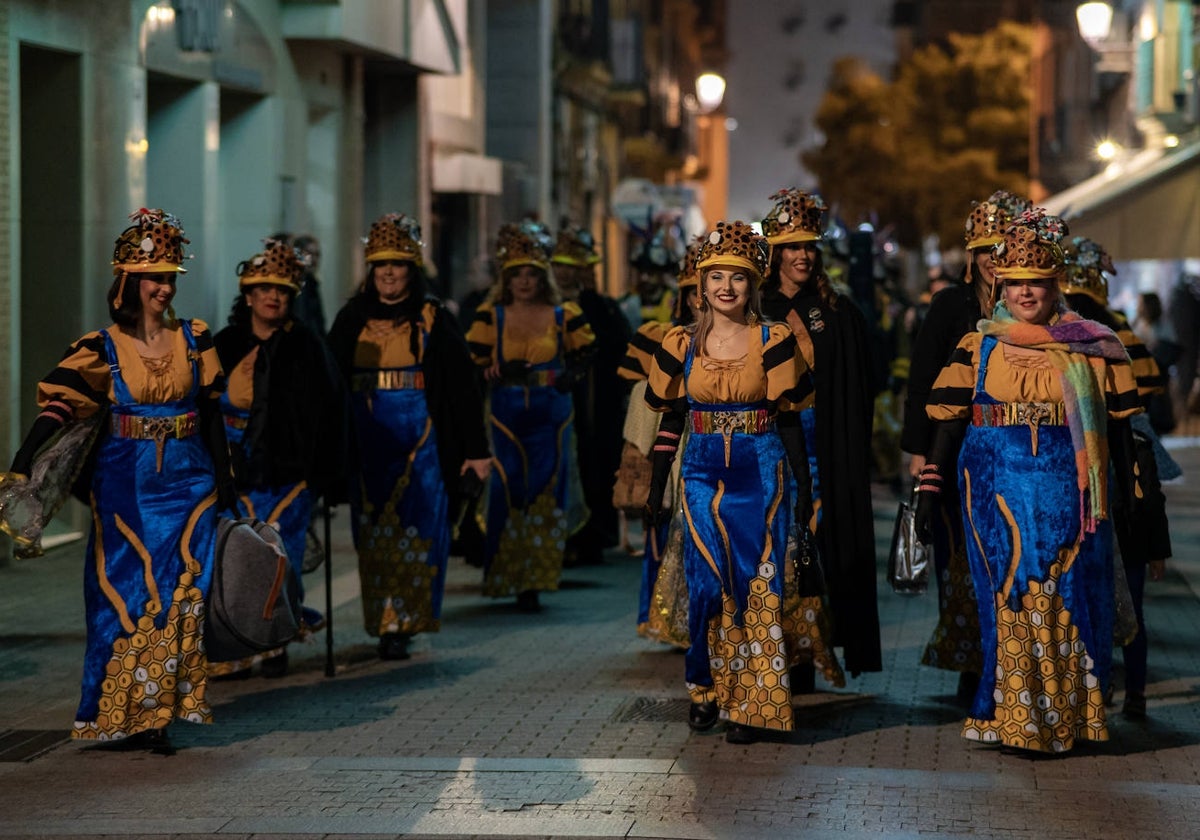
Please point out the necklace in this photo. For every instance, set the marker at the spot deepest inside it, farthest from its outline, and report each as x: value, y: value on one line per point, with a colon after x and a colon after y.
x: 734, y: 334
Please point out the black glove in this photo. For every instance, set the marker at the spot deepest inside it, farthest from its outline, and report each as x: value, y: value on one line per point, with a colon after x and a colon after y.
x: 923, y: 516
x: 665, y: 445
x: 791, y: 434
x: 943, y: 455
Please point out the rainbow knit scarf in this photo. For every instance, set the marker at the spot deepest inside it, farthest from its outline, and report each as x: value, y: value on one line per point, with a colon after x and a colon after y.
x: 1078, y: 349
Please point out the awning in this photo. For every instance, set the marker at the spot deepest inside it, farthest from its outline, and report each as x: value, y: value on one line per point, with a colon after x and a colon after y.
x: 463, y: 172
x: 1148, y: 211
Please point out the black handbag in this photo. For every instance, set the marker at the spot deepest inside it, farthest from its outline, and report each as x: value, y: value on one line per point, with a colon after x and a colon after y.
x: 254, y: 602
x: 908, y: 559
x: 810, y: 574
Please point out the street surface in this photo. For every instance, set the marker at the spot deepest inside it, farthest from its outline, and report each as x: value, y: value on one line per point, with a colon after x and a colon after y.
x: 567, y: 724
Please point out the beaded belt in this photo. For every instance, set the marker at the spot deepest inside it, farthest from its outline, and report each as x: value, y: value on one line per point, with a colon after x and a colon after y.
x: 157, y: 429
x: 754, y: 421
x: 236, y: 422
x: 1031, y: 414
x: 389, y: 380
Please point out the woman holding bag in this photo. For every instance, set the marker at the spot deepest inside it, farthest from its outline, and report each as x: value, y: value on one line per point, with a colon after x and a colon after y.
x: 154, y: 492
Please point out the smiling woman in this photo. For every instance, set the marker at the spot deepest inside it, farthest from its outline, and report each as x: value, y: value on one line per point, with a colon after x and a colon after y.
x: 1038, y: 397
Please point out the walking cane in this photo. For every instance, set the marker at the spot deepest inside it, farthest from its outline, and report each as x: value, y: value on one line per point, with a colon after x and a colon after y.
x: 329, y: 669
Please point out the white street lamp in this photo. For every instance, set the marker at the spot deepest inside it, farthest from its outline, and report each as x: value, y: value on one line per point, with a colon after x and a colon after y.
x: 710, y: 90
x: 1095, y: 22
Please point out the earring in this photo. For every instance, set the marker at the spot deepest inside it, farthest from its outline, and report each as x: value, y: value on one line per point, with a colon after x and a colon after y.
x: 752, y: 318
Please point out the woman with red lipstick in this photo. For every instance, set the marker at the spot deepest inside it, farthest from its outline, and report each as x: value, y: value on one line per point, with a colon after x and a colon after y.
x: 832, y: 335
x: 283, y: 415
x: 1037, y: 396
x: 739, y: 383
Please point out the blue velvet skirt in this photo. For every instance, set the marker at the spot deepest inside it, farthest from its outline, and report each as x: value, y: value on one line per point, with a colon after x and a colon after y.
x: 150, y: 563
x: 1045, y: 597
x: 737, y: 517
x: 535, y: 498
x: 401, y: 513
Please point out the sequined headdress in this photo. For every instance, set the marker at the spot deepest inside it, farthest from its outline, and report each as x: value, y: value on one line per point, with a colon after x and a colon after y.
x: 153, y: 244
x: 278, y: 265
x: 1088, y: 267
x: 1031, y: 247
x: 394, y: 236
x: 527, y: 243
x: 796, y: 217
x: 734, y: 244
x: 990, y: 218
x: 575, y: 246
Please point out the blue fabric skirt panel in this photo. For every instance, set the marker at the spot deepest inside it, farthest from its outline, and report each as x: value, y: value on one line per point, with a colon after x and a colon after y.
x: 534, y: 490
x: 1042, y: 496
x: 401, y: 513
x: 136, y: 508
x: 755, y: 478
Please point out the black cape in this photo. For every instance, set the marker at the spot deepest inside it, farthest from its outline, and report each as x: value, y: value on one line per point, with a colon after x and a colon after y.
x: 844, y: 412
x: 296, y: 429
x: 451, y: 387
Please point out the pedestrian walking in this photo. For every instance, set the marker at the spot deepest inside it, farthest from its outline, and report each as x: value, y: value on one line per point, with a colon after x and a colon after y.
x: 283, y: 411
x: 418, y: 425
x: 533, y: 348
x: 1142, y: 531
x: 1035, y: 391
x: 955, y: 644
x: 307, y: 307
x: 832, y: 335
x: 739, y: 383
x: 662, y: 597
x: 150, y: 382
x: 598, y: 396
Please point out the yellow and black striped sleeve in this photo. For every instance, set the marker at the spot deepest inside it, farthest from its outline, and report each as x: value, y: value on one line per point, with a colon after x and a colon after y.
x: 665, y: 388
x: 1149, y: 377
x: 212, y: 377
x: 789, y: 382
x: 481, y: 336
x: 80, y: 385
x: 1120, y: 390
x: 640, y: 353
x: 952, y: 392
x: 577, y: 332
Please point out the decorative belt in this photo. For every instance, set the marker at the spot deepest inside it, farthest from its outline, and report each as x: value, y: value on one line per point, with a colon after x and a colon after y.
x: 747, y: 421
x: 236, y: 422
x: 389, y: 380
x: 157, y: 429
x: 1031, y: 414
x: 753, y: 421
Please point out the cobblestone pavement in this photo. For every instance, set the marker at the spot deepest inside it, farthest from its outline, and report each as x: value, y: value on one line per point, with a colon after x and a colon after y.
x: 567, y: 724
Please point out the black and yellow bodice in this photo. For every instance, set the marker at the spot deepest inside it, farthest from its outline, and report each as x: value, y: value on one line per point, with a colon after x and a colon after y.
x: 488, y: 345
x: 639, y: 355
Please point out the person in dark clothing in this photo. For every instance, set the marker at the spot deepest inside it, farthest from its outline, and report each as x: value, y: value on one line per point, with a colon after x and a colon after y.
x: 1141, y: 528
x: 954, y: 312
x: 832, y: 335
x: 308, y: 308
x: 283, y: 416
x: 418, y: 419
x: 599, y: 396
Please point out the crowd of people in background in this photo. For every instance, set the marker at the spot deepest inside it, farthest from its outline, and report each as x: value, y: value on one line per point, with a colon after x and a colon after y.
x: 737, y: 403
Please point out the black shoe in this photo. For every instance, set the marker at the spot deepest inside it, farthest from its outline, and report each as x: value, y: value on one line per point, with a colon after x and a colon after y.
x: 736, y: 733
x: 702, y: 716
x: 394, y: 646
x: 527, y: 601
x: 1134, y: 706
x: 803, y: 678
x: 275, y: 667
